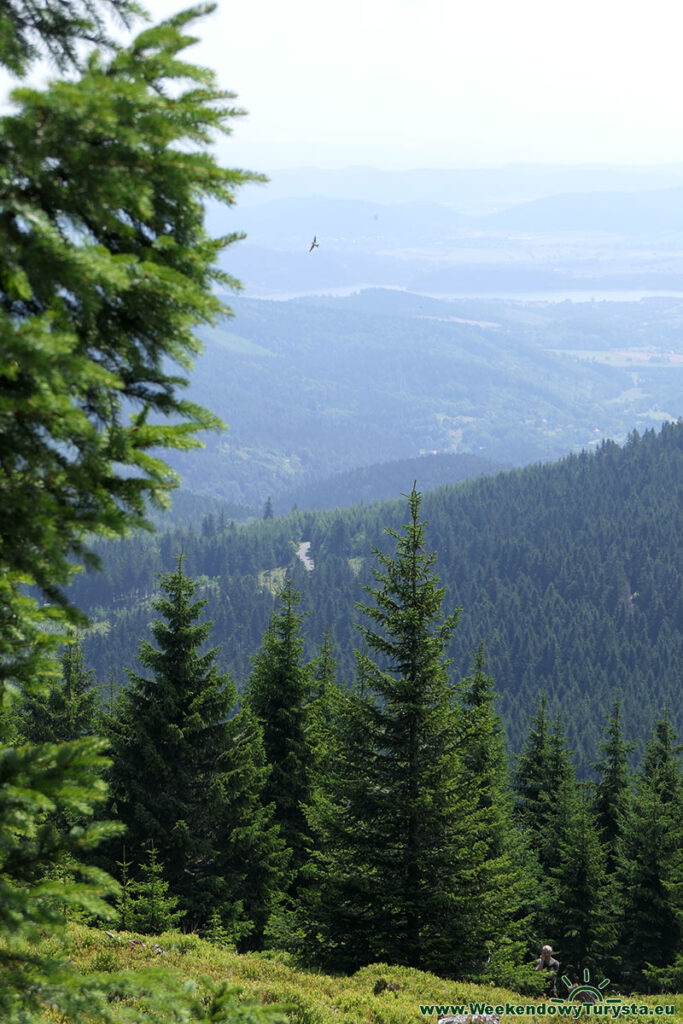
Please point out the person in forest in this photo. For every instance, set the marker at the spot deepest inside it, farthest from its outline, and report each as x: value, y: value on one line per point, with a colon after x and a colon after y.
x: 547, y: 962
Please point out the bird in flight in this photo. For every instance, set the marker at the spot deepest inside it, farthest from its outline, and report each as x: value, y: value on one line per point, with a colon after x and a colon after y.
x: 314, y: 244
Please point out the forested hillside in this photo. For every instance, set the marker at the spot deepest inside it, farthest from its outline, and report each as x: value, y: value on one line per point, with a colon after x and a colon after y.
x: 318, y: 386
x: 273, y: 792
x: 571, y: 574
x: 384, y: 480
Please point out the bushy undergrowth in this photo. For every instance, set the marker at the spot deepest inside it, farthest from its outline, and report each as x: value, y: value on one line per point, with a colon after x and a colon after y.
x: 377, y: 994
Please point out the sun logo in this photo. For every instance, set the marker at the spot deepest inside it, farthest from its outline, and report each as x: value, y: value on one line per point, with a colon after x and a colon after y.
x: 585, y: 993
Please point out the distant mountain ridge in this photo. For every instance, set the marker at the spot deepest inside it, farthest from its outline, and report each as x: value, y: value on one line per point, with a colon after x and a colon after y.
x: 418, y: 223
x: 621, y: 213
x: 499, y: 231
x: 470, y: 189
x: 384, y: 481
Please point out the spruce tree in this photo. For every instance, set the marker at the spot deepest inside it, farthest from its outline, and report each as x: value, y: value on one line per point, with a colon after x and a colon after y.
x: 399, y: 865
x: 482, y: 748
x: 106, y: 270
x: 189, y: 775
x: 531, y: 777
x: 580, y: 914
x: 151, y: 909
x: 278, y: 693
x: 510, y: 871
x: 613, y: 789
x: 662, y: 762
x: 324, y: 667
x: 650, y: 862
x: 545, y: 789
x: 69, y: 709
x: 545, y: 784
x: 340, y: 921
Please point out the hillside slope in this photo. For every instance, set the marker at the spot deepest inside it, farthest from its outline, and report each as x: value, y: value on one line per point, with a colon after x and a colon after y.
x: 571, y: 573
x: 316, y: 387
x: 309, y: 998
x: 384, y: 481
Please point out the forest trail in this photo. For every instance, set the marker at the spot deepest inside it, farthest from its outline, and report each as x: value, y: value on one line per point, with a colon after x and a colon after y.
x: 303, y: 555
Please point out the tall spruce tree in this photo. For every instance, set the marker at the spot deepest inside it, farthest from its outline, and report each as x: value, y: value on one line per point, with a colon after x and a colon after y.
x: 482, y: 749
x: 510, y: 871
x: 545, y: 787
x: 324, y: 667
x: 189, y: 776
x: 278, y: 693
x: 399, y: 871
x: 545, y: 784
x: 613, y: 788
x: 580, y: 915
x: 105, y: 270
x: 649, y: 863
x: 531, y: 776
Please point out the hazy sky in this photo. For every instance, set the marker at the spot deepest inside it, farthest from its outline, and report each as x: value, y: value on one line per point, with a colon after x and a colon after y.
x: 449, y: 82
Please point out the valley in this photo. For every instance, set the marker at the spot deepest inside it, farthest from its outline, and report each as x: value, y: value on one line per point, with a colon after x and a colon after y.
x: 324, y: 385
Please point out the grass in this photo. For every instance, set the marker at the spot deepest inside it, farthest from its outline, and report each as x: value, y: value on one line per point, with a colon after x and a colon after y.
x: 311, y: 998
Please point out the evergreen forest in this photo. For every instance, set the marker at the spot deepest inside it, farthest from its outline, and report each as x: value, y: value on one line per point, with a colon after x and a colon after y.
x: 570, y: 573
x: 416, y: 739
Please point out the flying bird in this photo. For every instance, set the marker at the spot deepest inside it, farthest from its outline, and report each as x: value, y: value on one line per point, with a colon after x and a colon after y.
x: 314, y: 244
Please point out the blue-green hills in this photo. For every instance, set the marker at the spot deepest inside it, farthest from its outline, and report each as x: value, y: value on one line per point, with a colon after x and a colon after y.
x: 571, y: 573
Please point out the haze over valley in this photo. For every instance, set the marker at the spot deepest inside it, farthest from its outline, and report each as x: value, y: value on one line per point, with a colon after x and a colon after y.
x: 523, y: 230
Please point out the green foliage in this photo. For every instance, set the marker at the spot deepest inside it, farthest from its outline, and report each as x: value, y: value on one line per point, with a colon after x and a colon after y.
x: 69, y: 709
x: 545, y: 785
x: 216, y: 933
x: 324, y: 667
x: 222, y: 1004
x: 649, y: 868
x: 151, y: 909
x: 545, y: 792
x: 38, y: 783
x: 611, y: 802
x: 482, y: 749
x: 544, y: 561
x: 580, y: 913
x: 29, y: 27
x: 278, y: 692
x: 307, y: 997
x: 399, y: 867
x: 510, y: 864
x: 188, y: 774
x: 107, y: 269
x: 532, y: 774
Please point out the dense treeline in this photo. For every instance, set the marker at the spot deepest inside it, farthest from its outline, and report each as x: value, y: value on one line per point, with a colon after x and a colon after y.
x: 377, y: 822
x: 570, y: 573
x: 384, y: 481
